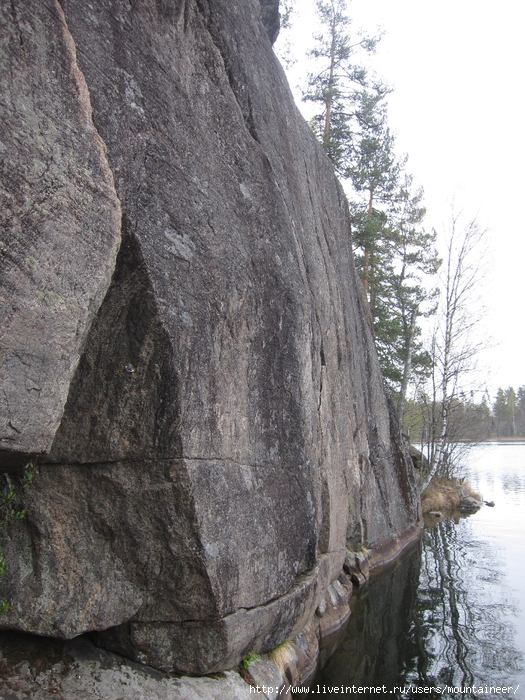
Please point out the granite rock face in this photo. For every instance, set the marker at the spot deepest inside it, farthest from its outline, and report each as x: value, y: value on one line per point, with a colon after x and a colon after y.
x: 59, y: 225
x: 211, y: 418
x: 49, y: 669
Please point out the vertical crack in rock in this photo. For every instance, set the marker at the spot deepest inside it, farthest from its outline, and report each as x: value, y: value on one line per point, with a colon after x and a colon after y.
x: 232, y: 66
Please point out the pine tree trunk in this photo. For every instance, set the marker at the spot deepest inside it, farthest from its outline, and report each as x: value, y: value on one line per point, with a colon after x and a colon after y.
x: 329, y: 96
x: 407, y: 369
x: 366, y: 265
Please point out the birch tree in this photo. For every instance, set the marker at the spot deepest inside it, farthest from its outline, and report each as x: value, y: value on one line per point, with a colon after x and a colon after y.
x: 455, y: 340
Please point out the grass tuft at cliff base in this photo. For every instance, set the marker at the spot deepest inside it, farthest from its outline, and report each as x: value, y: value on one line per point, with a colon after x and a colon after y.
x: 444, y: 495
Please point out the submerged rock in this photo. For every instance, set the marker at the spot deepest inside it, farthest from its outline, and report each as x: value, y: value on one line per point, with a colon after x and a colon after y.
x: 468, y: 504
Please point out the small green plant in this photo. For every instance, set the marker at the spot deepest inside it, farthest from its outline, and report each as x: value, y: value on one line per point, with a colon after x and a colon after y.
x: 9, y: 511
x: 3, y: 566
x: 249, y: 659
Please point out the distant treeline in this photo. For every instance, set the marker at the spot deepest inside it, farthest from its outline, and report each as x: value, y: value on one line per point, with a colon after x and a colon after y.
x: 471, y: 420
x: 508, y: 413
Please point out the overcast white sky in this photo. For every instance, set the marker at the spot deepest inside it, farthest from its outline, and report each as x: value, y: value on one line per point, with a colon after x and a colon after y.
x: 458, y: 111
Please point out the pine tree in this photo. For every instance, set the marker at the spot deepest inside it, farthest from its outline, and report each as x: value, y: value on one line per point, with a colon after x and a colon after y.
x: 416, y: 259
x: 397, y: 255
x: 507, y: 411
x: 337, y: 81
x: 391, y: 250
x: 374, y: 173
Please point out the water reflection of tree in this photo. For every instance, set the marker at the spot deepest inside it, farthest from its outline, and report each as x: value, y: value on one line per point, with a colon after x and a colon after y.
x: 441, y: 617
x: 462, y: 623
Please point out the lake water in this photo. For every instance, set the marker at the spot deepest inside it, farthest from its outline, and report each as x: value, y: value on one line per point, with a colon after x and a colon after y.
x: 451, y: 613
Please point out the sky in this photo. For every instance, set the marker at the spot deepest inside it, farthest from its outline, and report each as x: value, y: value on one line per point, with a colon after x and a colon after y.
x: 456, y: 68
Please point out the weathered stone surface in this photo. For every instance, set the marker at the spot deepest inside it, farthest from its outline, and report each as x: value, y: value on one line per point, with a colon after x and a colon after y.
x: 291, y: 665
x: 388, y: 551
x: 46, y: 669
x: 357, y: 567
x: 468, y: 504
x: 267, y: 679
x: 226, y: 432
x: 59, y: 225
x: 112, y: 541
x: 224, y: 642
x: 298, y: 659
x: 337, y: 611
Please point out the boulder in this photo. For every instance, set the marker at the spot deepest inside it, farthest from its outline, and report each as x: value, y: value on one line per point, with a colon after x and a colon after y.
x: 357, y: 567
x: 467, y: 503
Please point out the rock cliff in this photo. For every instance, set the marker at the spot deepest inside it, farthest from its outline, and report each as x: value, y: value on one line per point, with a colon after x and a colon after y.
x: 185, y: 348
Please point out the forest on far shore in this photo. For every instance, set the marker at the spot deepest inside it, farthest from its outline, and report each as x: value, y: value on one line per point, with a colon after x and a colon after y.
x: 470, y: 420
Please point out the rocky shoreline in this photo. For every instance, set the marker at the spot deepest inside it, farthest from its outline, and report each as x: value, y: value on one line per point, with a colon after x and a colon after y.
x: 43, y: 668
x: 448, y: 497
